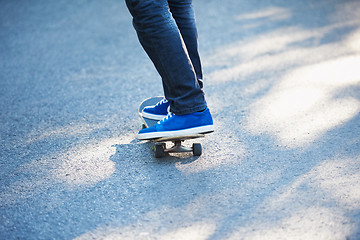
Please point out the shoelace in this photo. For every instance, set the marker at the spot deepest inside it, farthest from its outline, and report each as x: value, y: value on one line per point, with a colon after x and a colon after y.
x: 164, y: 100
x: 170, y: 115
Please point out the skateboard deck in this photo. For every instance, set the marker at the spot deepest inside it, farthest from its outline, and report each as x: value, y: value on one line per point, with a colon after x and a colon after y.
x: 182, y: 138
x: 160, y: 143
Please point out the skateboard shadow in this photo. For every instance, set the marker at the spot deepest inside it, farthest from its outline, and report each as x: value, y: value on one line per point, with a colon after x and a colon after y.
x: 144, y: 151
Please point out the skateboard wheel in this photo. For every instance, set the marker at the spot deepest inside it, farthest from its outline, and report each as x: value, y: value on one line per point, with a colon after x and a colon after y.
x: 159, y: 150
x: 197, y: 149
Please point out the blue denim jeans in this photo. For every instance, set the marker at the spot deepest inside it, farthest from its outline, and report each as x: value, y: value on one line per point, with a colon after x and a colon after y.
x: 167, y: 31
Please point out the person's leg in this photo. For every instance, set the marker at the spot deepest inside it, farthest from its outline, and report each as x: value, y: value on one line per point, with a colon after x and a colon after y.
x: 160, y: 36
x: 183, y: 13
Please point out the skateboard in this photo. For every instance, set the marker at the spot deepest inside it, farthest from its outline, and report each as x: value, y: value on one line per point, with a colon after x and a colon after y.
x: 160, y: 143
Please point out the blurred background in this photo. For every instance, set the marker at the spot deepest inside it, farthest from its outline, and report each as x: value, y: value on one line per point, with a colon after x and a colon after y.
x: 282, y: 80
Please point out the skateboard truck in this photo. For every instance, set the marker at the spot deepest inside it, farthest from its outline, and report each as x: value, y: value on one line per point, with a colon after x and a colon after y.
x: 161, y: 150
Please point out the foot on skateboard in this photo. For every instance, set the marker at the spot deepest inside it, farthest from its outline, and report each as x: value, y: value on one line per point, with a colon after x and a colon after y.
x: 160, y: 142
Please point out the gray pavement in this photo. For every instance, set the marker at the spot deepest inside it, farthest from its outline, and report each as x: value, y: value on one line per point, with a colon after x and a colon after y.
x: 282, y: 82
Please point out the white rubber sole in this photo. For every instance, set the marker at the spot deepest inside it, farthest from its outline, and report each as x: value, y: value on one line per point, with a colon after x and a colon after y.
x: 152, y: 116
x: 189, y: 131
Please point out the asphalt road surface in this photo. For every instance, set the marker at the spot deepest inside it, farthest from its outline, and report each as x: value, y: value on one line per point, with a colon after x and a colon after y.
x: 282, y: 80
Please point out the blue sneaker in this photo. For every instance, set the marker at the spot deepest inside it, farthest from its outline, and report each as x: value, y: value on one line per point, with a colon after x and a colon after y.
x: 158, y: 111
x: 179, y: 125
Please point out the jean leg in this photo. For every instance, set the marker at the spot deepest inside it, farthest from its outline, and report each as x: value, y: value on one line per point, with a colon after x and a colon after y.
x: 160, y: 37
x: 183, y: 13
